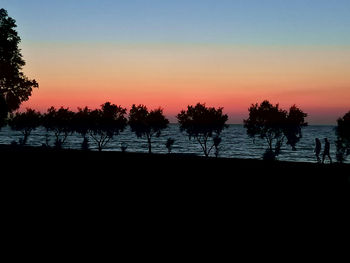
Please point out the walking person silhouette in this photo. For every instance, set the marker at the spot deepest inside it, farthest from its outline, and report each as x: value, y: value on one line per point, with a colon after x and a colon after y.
x: 326, y: 151
x: 318, y: 149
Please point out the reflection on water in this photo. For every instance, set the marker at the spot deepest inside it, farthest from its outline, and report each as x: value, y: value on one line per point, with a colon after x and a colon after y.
x: 235, y: 143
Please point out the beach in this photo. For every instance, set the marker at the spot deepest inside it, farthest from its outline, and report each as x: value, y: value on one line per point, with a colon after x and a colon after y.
x: 71, y: 191
x: 172, y: 170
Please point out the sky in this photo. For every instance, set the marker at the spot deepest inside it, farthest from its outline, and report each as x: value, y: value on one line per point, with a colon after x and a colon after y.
x: 170, y: 54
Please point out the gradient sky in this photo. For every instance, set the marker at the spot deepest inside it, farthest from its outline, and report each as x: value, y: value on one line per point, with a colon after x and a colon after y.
x: 228, y: 53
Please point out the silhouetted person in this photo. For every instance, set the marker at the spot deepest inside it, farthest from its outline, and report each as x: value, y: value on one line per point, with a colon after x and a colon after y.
x: 318, y: 149
x: 326, y: 150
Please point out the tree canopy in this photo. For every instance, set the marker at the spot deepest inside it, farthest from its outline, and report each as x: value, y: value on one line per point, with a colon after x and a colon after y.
x: 25, y: 122
x: 15, y: 87
x: 201, y: 122
x: 106, y: 122
x: 60, y: 122
x: 147, y: 123
x: 81, y: 121
x: 273, y: 124
x: 343, y: 137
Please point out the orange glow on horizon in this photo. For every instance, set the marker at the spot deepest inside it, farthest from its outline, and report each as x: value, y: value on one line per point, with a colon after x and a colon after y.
x: 172, y: 77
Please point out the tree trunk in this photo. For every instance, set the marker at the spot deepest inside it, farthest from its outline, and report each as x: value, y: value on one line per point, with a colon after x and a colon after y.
x: 149, y: 144
x: 47, y: 139
x: 25, y: 139
x: 206, y: 149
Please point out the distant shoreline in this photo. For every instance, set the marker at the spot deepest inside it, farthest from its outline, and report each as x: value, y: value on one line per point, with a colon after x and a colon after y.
x: 5, y: 148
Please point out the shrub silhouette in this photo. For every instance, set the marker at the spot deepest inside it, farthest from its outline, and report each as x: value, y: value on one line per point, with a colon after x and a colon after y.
x: 274, y: 125
x: 148, y: 124
x: 85, y: 144
x: 343, y: 137
x: 106, y: 122
x: 60, y: 122
x: 15, y: 87
x: 201, y: 123
x: 169, y: 144
x: 123, y: 147
x: 25, y: 122
x: 217, y: 141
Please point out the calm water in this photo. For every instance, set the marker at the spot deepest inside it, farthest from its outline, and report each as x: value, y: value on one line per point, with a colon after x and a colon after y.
x: 235, y: 143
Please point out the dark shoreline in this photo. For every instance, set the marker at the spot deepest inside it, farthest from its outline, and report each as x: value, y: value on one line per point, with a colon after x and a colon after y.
x: 77, y: 163
x: 5, y: 148
x: 138, y: 185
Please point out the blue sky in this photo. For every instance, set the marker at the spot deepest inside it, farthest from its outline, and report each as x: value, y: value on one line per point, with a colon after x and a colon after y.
x: 172, y: 53
x: 243, y: 22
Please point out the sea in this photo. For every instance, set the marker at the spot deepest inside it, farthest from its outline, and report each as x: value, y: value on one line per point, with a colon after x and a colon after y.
x: 235, y: 142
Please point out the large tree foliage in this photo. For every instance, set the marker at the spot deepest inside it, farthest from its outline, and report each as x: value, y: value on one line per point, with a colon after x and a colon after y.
x: 25, y: 122
x: 294, y: 123
x: 147, y: 123
x: 106, y: 122
x: 15, y: 87
x: 201, y: 123
x: 343, y: 137
x: 274, y: 125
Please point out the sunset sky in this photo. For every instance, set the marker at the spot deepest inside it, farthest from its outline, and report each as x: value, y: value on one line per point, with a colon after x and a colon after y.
x: 172, y: 53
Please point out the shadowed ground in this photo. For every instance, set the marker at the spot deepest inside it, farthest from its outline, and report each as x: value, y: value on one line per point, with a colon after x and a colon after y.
x: 133, y: 197
x: 174, y: 170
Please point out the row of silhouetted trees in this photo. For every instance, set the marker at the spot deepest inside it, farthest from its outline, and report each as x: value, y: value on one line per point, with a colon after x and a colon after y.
x: 99, y: 125
x: 204, y: 124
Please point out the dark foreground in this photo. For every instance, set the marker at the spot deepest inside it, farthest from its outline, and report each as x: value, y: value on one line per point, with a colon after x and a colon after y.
x: 116, y: 170
x: 96, y: 197
x: 105, y: 178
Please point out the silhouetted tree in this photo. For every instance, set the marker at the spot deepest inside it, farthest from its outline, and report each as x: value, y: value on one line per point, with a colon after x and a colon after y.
x: 145, y: 123
x: 294, y: 123
x: 169, y: 144
x: 273, y: 125
x: 25, y: 122
x: 82, y: 124
x: 15, y: 87
x: 343, y: 137
x: 106, y: 122
x: 201, y: 123
x: 60, y: 122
